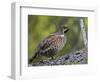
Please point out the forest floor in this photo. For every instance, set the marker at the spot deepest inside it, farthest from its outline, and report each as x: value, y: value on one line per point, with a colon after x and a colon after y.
x: 77, y: 57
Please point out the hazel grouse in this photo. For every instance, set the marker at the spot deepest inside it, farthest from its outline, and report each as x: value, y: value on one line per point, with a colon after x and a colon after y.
x: 52, y: 44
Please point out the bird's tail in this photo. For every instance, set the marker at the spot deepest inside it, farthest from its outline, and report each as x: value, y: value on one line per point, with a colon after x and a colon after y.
x: 33, y: 57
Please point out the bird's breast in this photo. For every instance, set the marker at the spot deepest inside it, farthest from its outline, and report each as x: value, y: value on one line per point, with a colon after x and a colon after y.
x: 60, y: 41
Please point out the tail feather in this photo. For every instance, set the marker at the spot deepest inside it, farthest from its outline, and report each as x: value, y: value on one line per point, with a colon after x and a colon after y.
x: 30, y: 60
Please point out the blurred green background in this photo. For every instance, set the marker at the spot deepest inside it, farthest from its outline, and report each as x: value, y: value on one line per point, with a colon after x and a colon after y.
x: 39, y: 27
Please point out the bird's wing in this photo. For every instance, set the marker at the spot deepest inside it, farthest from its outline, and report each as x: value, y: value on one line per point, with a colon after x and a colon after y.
x: 48, y: 43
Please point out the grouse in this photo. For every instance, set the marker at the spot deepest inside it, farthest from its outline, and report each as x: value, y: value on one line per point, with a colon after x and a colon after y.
x: 52, y: 44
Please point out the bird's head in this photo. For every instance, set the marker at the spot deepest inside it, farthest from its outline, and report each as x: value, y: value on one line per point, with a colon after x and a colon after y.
x: 62, y: 30
x: 65, y: 29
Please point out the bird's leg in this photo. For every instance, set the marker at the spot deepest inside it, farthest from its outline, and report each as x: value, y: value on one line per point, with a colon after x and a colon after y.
x: 52, y: 58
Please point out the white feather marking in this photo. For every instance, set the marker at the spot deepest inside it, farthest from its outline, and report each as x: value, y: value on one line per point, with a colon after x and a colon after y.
x: 62, y: 35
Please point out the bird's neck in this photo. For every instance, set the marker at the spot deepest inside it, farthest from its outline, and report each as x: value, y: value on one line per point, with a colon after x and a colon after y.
x: 59, y: 32
x: 62, y: 35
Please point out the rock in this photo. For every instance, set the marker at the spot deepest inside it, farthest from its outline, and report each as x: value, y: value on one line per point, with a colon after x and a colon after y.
x: 79, y: 57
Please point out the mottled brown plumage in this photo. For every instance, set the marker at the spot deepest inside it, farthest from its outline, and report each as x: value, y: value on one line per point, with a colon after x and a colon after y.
x: 51, y: 44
